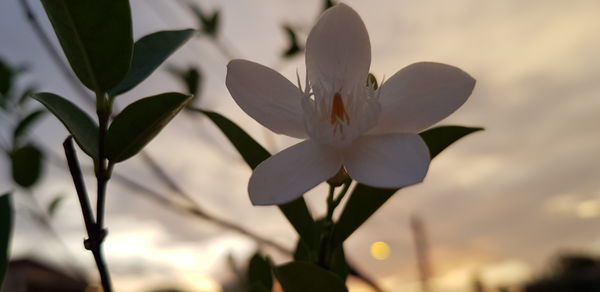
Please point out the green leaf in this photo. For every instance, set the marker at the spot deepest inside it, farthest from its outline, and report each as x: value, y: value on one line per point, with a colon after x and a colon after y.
x: 140, y: 122
x: 6, y: 223
x: 253, y: 153
x: 293, y: 45
x: 24, y: 125
x: 365, y: 200
x: 26, y: 165
x: 96, y: 37
x: 259, y: 272
x: 77, y: 122
x: 303, y: 276
x: 55, y: 204
x: 150, y: 52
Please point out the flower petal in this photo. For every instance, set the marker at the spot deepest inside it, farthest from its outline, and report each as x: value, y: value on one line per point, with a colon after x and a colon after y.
x: 266, y: 96
x: 338, y: 51
x: 421, y: 95
x: 288, y: 174
x: 388, y: 161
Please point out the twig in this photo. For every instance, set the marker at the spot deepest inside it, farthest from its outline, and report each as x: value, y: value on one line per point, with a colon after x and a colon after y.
x: 95, y: 233
x: 190, y: 208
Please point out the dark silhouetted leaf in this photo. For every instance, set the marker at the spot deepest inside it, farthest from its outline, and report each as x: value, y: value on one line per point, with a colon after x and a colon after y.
x: 25, y: 124
x: 293, y: 45
x: 77, y: 122
x: 6, y: 224
x: 96, y: 37
x: 148, y: 53
x: 141, y: 121
x: 55, y: 204
x: 253, y: 153
x: 303, y: 276
x: 439, y: 138
x: 26, y: 165
x: 365, y: 200
x: 259, y: 272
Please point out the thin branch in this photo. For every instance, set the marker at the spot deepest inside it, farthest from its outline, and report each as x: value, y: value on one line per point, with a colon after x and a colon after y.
x: 95, y: 233
x: 190, y: 208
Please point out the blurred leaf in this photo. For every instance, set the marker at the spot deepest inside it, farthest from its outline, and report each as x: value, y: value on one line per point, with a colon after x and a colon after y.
x: 191, y: 78
x: 96, y: 37
x: 365, y: 200
x: 140, y: 122
x: 55, y: 204
x: 303, y: 276
x: 148, y: 53
x: 372, y: 81
x: 26, y: 165
x: 259, y: 272
x: 26, y: 95
x: 208, y: 23
x: 293, y: 44
x: 25, y: 124
x: 77, y: 122
x: 253, y: 153
x: 6, y: 224
x: 6, y: 80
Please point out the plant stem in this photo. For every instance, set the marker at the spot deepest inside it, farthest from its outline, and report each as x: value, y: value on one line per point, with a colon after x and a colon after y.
x: 333, y: 202
x: 102, y: 269
x: 95, y: 233
x: 103, y: 109
x: 326, y: 248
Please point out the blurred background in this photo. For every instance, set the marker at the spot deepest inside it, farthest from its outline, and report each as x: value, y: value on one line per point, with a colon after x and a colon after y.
x: 512, y: 208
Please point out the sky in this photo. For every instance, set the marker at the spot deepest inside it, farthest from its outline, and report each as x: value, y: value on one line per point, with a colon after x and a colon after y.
x: 499, y: 203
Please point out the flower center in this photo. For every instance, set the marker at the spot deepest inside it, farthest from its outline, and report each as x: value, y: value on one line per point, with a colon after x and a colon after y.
x: 338, y: 114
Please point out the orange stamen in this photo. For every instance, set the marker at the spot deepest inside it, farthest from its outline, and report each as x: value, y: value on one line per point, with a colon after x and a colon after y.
x: 338, y: 112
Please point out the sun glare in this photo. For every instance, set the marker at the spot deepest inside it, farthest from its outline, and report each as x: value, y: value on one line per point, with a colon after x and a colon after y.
x: 380, y: 250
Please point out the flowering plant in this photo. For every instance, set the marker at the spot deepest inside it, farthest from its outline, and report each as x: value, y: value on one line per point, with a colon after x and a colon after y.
x: 352, y: 130
x: 348, y: 124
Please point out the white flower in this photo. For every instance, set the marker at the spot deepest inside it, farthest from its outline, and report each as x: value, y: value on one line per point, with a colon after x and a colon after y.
x: 371, y: 133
